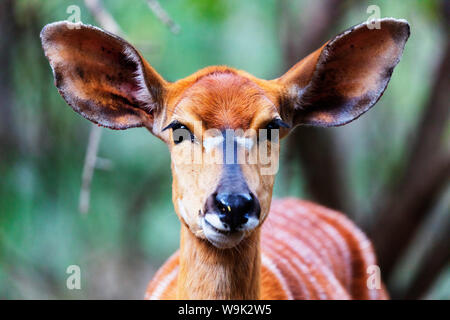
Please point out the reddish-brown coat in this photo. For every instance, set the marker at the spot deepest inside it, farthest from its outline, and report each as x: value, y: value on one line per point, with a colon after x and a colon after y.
x: 308, y: 252
x: 302, y: 251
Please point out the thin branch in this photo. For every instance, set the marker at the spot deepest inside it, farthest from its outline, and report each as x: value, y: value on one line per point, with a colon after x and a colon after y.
x: 92, y: 161
x: 107, y: 22
x: 434, y: 261
x: 162, y: 15
x: 89, y: 167
x: 103, y: 17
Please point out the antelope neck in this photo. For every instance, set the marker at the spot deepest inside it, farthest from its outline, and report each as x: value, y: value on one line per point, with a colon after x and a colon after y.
x: 207, y: 272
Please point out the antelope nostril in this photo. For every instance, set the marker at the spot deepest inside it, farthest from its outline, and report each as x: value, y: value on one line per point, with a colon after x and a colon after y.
x: 235, y: 208
x: 240, y: 202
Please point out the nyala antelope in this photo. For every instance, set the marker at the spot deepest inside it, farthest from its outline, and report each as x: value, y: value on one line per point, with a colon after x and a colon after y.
x: 303, y: 251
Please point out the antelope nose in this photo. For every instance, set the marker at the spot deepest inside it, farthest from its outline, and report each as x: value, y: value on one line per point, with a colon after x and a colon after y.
x: 235, y: 208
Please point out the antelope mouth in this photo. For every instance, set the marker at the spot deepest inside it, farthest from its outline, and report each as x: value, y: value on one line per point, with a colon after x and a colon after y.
x: 222, y: 239
x: 224, y: 232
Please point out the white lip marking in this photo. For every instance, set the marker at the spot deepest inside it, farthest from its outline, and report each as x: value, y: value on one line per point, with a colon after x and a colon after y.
x: 219, y: 240
x: 212, y: 142
x: 214, y: 220
x: 251, y: 224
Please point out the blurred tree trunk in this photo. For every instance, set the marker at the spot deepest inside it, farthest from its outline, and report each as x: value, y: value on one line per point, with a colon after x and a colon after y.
x: 426, y: 173
x: 8, y: 33
x: 433, y: 263
x: 315, y: 148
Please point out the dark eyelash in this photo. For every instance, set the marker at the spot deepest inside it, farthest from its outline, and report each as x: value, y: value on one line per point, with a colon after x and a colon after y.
x: 275, y: 124
x: 173, y: 125
x: 176, y: 125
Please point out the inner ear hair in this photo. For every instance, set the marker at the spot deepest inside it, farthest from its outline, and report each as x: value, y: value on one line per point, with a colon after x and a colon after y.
x: 344, y: 78
x: 101, y: 76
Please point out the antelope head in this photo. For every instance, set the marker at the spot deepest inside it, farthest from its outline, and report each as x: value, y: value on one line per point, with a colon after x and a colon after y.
x: 222, y: 126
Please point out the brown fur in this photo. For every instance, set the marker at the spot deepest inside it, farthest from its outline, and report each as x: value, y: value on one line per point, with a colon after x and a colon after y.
x: 210, y: 273
x: 333, y: 264
x: 107, y: 81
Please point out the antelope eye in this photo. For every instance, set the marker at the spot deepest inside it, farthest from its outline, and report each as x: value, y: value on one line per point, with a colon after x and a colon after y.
x: 180, y: 132
x: 275, y: 124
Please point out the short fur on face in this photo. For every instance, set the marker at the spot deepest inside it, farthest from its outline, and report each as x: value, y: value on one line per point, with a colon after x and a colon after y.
x: 106, y: 80
x: 219, y: 99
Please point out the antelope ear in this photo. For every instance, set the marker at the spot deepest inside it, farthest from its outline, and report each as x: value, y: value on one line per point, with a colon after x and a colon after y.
x: 344, y: 78
x: 101, y: 76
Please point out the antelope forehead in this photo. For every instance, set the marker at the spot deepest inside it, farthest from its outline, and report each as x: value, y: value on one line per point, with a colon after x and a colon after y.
x: 224, y: 100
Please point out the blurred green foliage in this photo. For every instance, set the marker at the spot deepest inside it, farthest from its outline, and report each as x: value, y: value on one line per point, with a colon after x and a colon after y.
x: 41, y: 230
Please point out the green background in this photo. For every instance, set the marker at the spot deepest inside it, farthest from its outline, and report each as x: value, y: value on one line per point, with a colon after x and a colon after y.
x: 131, y: 227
